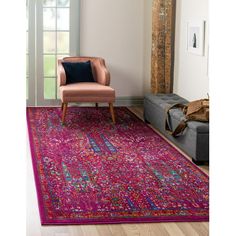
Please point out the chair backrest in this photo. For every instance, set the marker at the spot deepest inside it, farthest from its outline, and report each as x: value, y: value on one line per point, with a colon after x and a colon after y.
x: 99, y: 70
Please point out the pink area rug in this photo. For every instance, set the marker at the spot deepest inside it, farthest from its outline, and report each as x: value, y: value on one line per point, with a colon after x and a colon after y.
x: 93, y: 172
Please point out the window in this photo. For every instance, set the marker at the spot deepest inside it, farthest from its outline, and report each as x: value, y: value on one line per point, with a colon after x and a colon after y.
x: 56, y: 26
x: 27, y: 50
x: 55, y: 35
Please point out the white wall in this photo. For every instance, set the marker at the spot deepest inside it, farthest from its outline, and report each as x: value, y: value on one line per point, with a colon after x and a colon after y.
x: 191, y: 71
x: 147, y: 45
x: 114, y: 30
x: 120, y: 31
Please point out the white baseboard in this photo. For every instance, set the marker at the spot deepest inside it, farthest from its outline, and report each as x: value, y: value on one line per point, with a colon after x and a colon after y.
x: 120, y: 101
x: 129, y: 101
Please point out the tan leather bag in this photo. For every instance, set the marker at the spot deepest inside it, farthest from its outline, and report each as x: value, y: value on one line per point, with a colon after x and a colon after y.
x: 194, y: 111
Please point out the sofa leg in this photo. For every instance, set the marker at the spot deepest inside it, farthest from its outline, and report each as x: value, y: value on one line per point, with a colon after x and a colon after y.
x: 64, y: 112
x: 198, y: 163
x: 96, y: 105
x: 112, y: 112
x: 145, y: 120
x: 62, y: 104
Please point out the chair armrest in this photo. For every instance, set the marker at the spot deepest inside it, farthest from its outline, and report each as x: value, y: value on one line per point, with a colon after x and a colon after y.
x: 101, y: 72
x: 61, y: 75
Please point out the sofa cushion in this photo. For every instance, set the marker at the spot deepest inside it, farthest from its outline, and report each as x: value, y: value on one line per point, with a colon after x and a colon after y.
x: 78, y: 72
x: 163, y: 101
x: 200, y: 127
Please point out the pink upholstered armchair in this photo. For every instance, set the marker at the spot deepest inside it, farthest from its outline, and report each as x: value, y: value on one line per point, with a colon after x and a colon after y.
x: 98, y: 91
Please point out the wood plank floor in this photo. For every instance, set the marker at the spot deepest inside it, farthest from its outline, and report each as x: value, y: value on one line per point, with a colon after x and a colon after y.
x: 34, y: 227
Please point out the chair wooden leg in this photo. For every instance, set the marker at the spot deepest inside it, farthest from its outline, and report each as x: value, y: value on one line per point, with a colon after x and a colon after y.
x: 112, y: 112
x: 96, y: 105
x: 64, y: 112
x: 62, y: 104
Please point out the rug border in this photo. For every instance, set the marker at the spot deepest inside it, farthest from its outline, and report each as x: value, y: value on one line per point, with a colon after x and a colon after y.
x: 125, y: 221
x: 160, y: 219
x: 36, y: 177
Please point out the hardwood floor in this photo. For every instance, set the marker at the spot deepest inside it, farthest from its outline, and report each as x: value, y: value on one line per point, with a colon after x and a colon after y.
x: 34, y: 227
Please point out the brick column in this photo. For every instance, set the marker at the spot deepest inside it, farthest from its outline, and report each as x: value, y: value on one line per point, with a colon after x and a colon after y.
x: 163, y: 18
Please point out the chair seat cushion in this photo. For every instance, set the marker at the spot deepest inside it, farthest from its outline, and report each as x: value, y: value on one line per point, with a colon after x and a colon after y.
x: 87, y: 92
x: 78, y: 72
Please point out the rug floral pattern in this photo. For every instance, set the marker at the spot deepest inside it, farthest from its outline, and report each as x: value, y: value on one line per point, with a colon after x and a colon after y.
x: 92, y: 171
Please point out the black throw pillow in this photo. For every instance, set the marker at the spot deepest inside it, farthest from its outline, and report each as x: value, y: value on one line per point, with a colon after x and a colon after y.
x: 78, y: 72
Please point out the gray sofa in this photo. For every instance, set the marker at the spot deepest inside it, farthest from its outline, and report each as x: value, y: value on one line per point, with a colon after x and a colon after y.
x: 195, y: 139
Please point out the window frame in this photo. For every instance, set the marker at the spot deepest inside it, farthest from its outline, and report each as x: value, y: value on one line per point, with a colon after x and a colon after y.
x: 36, y: 53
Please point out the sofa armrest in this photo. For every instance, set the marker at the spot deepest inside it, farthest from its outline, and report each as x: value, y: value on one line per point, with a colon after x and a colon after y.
x: 61, y: 75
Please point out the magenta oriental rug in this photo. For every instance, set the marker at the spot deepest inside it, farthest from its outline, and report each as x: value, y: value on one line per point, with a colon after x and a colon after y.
x: 91, y: 171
